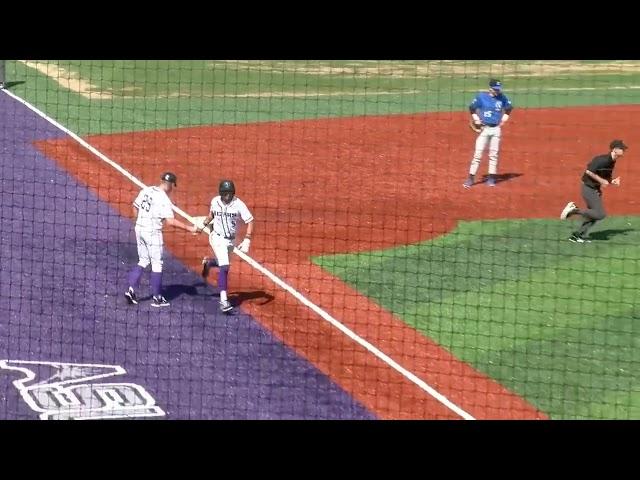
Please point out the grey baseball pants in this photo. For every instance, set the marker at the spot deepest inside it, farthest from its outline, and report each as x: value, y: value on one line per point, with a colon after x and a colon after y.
x: 593, y: 212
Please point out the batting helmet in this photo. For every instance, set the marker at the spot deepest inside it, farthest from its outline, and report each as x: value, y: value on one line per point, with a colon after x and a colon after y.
x: 170, y: 177
x: 226, y: 186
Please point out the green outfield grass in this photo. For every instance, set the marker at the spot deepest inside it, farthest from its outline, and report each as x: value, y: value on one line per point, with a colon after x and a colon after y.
x: 549, y: 319
x: 117, y: 96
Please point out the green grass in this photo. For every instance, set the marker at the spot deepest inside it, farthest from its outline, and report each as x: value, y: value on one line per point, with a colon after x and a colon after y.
x: 147, y: 95
x: 549, y: 319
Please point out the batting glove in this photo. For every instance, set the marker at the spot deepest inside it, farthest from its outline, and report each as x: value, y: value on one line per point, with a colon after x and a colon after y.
x: 244, y: 245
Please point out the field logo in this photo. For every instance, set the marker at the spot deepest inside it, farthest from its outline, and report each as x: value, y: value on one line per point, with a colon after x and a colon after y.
x: 53, y: 390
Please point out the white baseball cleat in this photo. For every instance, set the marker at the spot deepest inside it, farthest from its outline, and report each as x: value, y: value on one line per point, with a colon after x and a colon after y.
x: 567, y: 210
x: 159, y: 302
x: 207, y: 264
x: 225, y: 307
x: 131, y: 297
x: 578, y: 239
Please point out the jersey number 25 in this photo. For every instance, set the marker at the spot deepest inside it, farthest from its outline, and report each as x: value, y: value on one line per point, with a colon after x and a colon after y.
x: 146, y: 203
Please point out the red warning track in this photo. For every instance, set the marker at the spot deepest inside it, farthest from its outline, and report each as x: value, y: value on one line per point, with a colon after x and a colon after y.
x: 360, y: 184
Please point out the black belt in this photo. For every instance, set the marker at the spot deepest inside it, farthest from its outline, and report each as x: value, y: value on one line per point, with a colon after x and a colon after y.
x: 225, y: 237
x: 490, y: 125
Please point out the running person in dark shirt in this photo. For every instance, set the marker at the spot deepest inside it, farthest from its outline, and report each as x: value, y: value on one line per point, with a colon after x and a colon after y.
x: 598, y: 175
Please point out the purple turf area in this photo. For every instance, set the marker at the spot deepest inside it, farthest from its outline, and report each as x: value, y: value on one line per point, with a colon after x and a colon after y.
x: 64, y: 260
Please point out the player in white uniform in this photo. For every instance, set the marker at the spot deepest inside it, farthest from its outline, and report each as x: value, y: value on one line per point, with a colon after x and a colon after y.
x: 225, y: 211
x: 153, y: 209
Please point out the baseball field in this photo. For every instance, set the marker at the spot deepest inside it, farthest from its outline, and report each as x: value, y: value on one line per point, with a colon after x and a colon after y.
x: 353, y: 171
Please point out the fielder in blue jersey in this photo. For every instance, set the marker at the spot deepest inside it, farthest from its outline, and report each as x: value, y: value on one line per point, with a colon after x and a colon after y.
x: 489, y: 110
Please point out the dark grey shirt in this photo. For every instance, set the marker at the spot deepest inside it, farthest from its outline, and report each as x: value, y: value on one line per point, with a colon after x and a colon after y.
x: 602, y: 165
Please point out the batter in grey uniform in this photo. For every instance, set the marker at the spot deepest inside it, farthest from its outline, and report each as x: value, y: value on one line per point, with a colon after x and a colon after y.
x: 598, y: 175
x: 153, y: 209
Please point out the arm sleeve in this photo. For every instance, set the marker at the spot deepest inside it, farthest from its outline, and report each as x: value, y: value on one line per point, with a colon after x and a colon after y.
x: 508, y: 106
x: 138, y: 200
x: 167, y: 211
x: 595, y: 165
x: 474, y: 105
x: 245, y: 214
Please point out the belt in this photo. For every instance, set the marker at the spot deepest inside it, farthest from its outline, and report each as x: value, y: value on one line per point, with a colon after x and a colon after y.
x: 591, y: 186
x: 490, y: 124
x: 224, y: 236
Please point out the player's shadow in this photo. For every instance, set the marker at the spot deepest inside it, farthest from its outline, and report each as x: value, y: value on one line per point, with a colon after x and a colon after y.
x: 174, y: 291
x: 8, y: 85
x: 502, y: 177
x: 204, y: 283
x: 607, y: 234
x: 238, y: 298
x: 171, y: 292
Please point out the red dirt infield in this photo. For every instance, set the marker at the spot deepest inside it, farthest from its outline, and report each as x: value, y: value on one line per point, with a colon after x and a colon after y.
x: 358, y: 184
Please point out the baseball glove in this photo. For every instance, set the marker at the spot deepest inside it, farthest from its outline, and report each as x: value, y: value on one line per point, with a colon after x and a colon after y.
x: 476, y: 127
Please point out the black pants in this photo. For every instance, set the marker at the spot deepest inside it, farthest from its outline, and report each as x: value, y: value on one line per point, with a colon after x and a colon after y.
x: 593, y: 212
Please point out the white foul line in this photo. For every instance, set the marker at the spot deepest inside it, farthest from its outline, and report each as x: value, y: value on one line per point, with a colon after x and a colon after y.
x: 349, y: 333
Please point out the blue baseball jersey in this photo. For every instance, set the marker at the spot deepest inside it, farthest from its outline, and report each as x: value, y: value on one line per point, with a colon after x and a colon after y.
x: 491, y: 108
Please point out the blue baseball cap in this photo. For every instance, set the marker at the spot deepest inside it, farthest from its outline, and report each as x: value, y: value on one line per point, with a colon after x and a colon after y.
x: 495, y: 84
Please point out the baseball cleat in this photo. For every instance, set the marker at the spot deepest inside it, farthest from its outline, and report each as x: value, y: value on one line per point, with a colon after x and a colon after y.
x: 207, y: 263
x: 469, y: 182
x: 131, y: 297
x: 570, y: 207
x: 159, y: 301
x: 491, y: 182
x: 578, y: 239
x: 205, y: 267
x: 225, y: 307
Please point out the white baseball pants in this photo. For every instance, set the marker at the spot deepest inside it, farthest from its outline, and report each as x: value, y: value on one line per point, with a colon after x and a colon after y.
x: 490, y: 136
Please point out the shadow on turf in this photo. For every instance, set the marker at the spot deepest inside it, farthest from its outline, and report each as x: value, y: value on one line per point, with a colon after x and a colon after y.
x: 501, y: 177
x: 174, y: 291
x: 8, y: 85
x: 238, y: 298
x: 607, y: 234
x: 171, y: 292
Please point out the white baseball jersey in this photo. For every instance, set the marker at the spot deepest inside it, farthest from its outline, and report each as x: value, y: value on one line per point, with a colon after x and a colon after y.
x: 225, y: 217
x: 153, y: 205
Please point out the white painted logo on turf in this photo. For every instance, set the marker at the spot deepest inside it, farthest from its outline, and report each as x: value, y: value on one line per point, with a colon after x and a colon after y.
x: 53, y: 390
